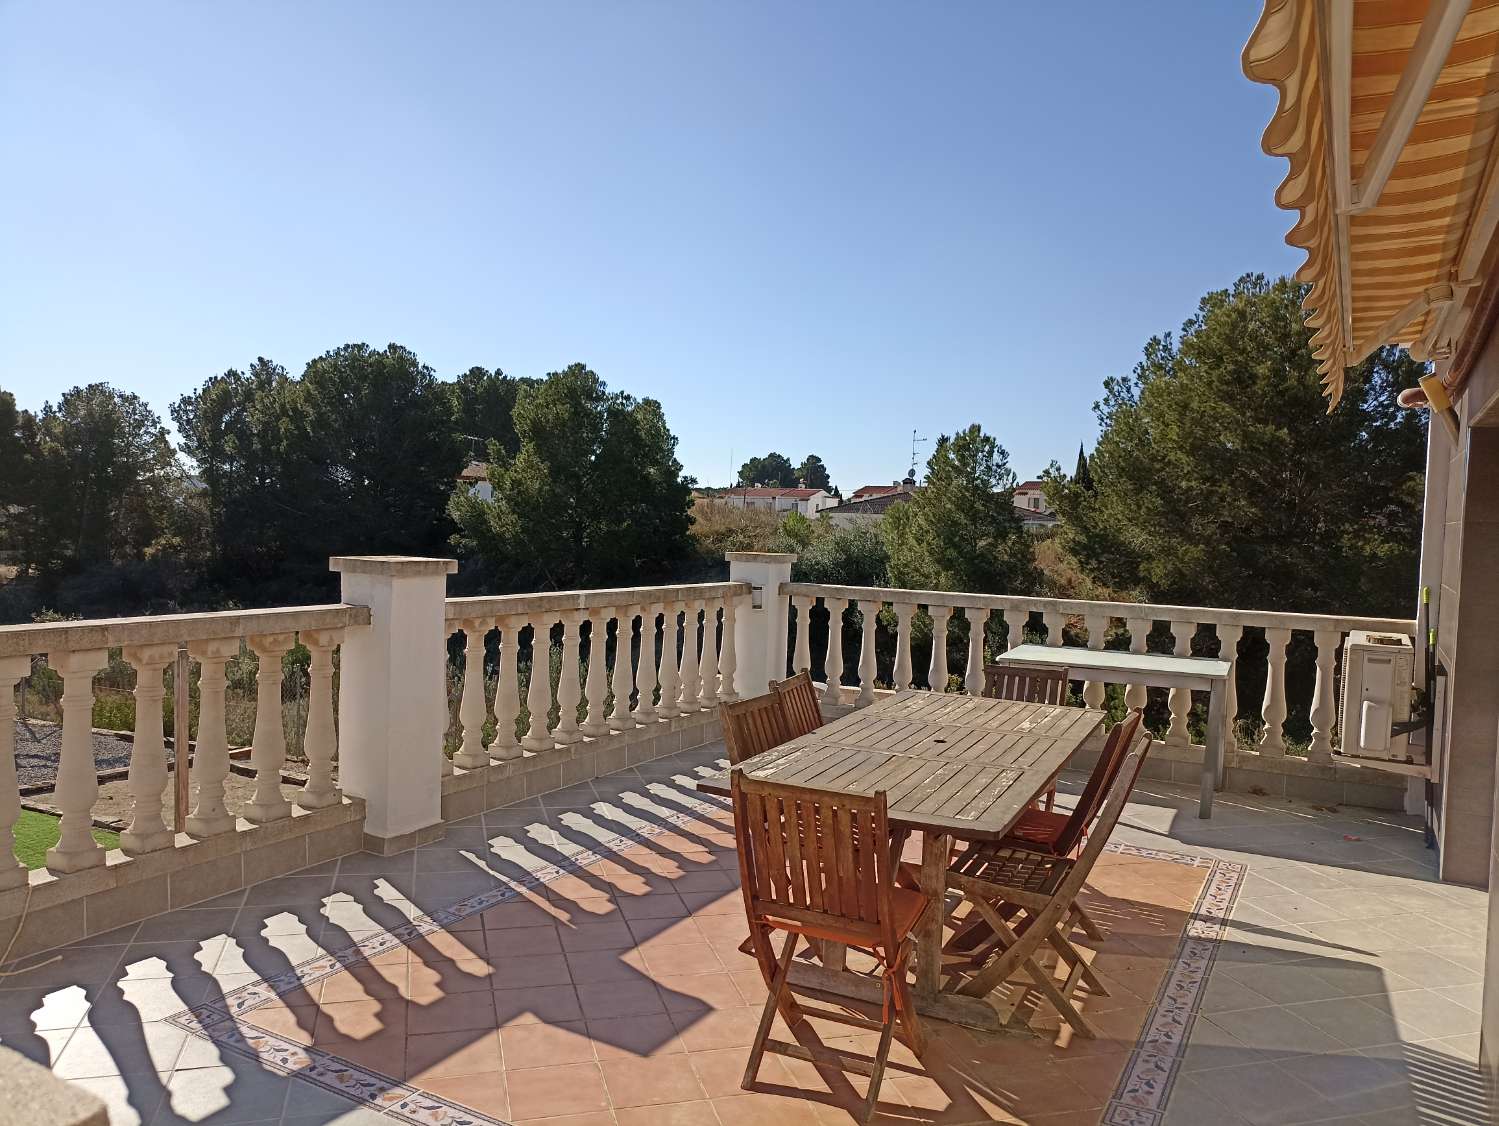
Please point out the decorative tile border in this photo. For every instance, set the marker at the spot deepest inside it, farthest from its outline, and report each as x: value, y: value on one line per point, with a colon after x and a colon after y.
x: 1139, y: 1100
x: 1145, y: 1086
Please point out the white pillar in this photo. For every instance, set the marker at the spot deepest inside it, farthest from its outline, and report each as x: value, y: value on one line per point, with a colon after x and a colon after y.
x: 707, y: 671
x: 760, y: 628
x: 937, y: 672
x: 1180, y: 699
x: 594, y: 722
x: 802, y: 650
x: 973, y: 675
x: 77, y: 778
x: 539, y: 687
x: 1094, y: 691
x: 688, y: 677
x: 211, y: 748
x: 646, y: 674
x: 148, y: 757
x: 1135, y: 695
x: 671, y: 682
x: 12, y: 871
x: 471, y: 711
x: 507, y: 692
x: 1323, y: 697
x: 319, y: 739
x: 1054, y: 620
x: 1228, y: 650
x: 392, y: 702
x: 1272, y: 741
x: 620, y: 718
x: 569, y: 684
x: 1015, y: 620
x: 832, y: 661
x: 268, y: 753
x: 901, y: 675
x: 869, y: 665
x: 728, y: 660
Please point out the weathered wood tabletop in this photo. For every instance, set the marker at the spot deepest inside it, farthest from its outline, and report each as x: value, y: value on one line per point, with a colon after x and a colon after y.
x: 951, y: 766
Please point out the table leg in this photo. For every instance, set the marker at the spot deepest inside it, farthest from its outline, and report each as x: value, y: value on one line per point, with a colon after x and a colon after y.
x: 935, y: 851
x: 1212, y: 757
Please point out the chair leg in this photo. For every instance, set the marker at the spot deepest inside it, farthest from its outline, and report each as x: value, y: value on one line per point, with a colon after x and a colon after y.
x: 1069, y: 954
x: 906, y: 1004
x: 1090, y: 928
x: 877, y: 1070
x: 1051, y: 799
x: 779, y: 992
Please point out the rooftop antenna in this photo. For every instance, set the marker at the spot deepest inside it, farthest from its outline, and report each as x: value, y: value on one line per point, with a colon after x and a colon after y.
x: 915, y: 441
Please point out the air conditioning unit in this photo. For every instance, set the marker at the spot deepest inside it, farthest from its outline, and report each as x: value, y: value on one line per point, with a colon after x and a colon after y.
x: 1378, y: 671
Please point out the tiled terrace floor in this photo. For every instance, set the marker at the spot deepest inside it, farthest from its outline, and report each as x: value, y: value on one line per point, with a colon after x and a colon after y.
x: 1325, y: 977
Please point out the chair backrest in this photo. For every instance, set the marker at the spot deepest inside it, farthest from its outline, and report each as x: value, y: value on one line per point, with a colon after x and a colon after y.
x: 799, y: 701
x: 817, y: 858
x: 753, y: 725
x: 1029, y: 684
x: 1115, y: 747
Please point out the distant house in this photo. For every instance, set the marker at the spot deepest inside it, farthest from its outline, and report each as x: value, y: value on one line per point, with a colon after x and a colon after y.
x: 1035, y: 520
x: 809, y: 502
x: 868, y: 505
x: 475, y: 477
x: 1030, y: 496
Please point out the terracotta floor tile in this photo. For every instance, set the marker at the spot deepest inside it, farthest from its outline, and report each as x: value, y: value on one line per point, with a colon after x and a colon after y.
x: 542, y: 1092
x: 722, y: 1028
x: 676, y: 1114
x: 569, y: 889
x: 638, y: 1037
x: 450, y: 946
x: 650, y: 934
x: 453, y: 1013
x: 747, y: 1109
x: 428, y: 981
x: 359, y: 1020
x: 714, y: 904
x: 601, y: 934
x: 518, y: 914
x: 698, y: 992
x: 487, y: 1093
x: 296, y: 1023
x: 637, y: 1082
x: 696, y: 958
x: 592, y: 1118
x: 588, y: 966
x: 385, y: 1053
x: 539, y: 1003
x: 521, y: 971
x: 364, y: 982
x: 665, y: 905
x: 619, y: 999
x: 721, y: 1070
x: 545, y: 1045
x: 440, y: 1055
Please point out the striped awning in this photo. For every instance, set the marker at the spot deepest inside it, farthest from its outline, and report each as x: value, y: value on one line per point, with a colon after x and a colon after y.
x: 1388, y: 114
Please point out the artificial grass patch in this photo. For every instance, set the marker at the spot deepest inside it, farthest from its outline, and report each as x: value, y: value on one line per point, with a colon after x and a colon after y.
x: 37, y: 832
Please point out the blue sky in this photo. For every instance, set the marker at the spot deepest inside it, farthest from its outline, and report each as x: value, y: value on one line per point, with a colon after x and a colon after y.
x: 802, y: 227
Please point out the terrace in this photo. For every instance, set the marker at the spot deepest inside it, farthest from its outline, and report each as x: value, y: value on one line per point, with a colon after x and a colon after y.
x: 508, y: 903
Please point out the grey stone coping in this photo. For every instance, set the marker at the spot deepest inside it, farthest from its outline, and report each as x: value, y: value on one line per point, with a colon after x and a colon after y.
x: 617, y: 598
x: 33, y: 1094
x: 156, y: 629
x: 396, y: 566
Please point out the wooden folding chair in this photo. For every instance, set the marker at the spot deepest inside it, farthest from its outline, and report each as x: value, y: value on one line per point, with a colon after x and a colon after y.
x: 819, y: 865
x: 1028, y: 684
x: 799, y: 702
x: 753, y: 725
x: 1038, y: 893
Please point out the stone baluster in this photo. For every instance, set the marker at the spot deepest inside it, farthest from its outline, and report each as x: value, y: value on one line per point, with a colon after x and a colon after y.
x: 973, y: 675
x: 869, y: 611
x: 802, y: 657
x: 12, y: 871
x: 507, y: 692
x: 832, y: 658
x: 268, y: 754
x: 1135, y: 695
x: 728, y: 660
x: 1015, y: 626
x: 471, y: 710
x: 1272, y: 739
x: 648, y: 675
x: 623, y: 682
x: 1094, y: 691
x: 1180, y: 699
x: 148, y: 757
x: 539, y: 690
x: 596, y: 723
x: 1323, y: 697
x: 320, y: 740
x: 569, y: 682
x: 688, y: 678
x: 1228, y: 650
x: 707, y: 669
x: 210, y: 764
x: 937, y: 672
x: 77, y: 780
x: 904, y: 612
x: 671, y: 683
x: 1055, y: 621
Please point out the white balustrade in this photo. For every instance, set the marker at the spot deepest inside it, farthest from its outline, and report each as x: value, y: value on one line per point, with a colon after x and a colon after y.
x: 647, y: 676
x: 901, y: 676
x: 973, y: 675
x: 595, y: 723
x: 1095, y: 692
x: 1228, y: 649
x: 319, y: 741
x: 832, y: 660
x: 937, y: 672
x: 539, y: 689
x: 671, y: 681
x: 12, y: 871
x: 77, y: 781
x: 1272, y: 741
x: 569, y: 684
x: 869, y: 611
x: 688, y: 676
x: 1054, y: 620
x: 620, y: 718
x: 1179, y: 700
x: 1015, y: 620
x: 802, y: 653
x: 1323, y: 697
x: 507, y: 692
x: 707, y: 669
x: 728, y: 660
x: 1135, y: 695
x: 471, y: 708
x: 210, y: 766
x: 268, y: 753
x: 148, y: 757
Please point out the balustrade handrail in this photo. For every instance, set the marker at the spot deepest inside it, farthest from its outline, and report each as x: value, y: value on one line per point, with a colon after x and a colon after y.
x: 1085, y: 608
x: 505, y: 605
x: 156, y: 629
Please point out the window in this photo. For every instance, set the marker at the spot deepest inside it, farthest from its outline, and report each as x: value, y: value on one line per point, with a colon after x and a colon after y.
x: 1036, y: 503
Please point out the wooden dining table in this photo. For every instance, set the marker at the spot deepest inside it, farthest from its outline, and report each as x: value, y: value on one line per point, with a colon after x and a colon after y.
x: 952, y: 767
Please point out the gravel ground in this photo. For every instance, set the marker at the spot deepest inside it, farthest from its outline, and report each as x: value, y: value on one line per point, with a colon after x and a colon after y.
x: 39, y: 744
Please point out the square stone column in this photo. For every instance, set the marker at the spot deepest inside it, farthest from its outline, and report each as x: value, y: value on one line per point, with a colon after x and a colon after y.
x: 760, y: 630
x: 392, y: 706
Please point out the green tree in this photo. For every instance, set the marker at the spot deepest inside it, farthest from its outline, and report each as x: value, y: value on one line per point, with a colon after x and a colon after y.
x: 101, y: 480
x: 773, y: 471
x: 814, y: 474
x: 14, y: 469
x: 1082, y: 476
x: 483, y: 403
x: 1221, y: 479
x: 961, y: 531
x: 593, y: 495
